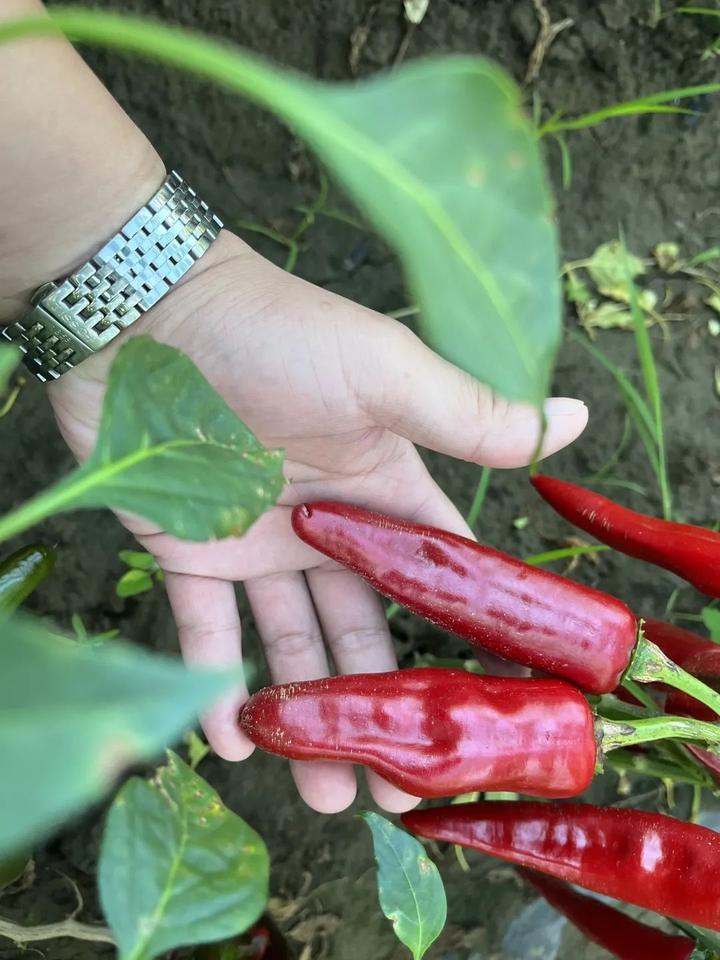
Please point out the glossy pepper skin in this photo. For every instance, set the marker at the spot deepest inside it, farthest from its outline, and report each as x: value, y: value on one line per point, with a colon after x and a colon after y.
x: 21, y: 573
x: 498, y: 603
x: 434, y: 732
x: 693, y: 553
x: 615, y: 931
x: 648, y: 859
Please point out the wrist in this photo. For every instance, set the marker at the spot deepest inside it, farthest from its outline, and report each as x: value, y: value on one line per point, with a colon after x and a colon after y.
x: 74, y: 165
x: 66, y: 227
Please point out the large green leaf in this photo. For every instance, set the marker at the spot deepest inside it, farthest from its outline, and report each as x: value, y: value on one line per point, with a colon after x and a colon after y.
x: 9, y: 359
x: 170, y: 450
x: 73, y: 716
x: 410, y: 888
x: 442, y: 159
x: 177, y: 867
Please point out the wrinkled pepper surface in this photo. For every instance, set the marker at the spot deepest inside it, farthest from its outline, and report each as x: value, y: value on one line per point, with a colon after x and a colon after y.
x: 498, y: 603
x: 435, y: 732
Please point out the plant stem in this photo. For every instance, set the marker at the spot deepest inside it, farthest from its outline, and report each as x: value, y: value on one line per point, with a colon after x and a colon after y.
x: 49, y: 931
x: 652, y: 391
x: 479, y: 497
x: 675, y: 753
x: 627, y: 733
x: 650, y: 665
x: 402, y: 312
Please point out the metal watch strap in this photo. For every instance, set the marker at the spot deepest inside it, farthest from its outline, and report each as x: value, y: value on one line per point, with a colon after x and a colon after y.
x: 74, y: 318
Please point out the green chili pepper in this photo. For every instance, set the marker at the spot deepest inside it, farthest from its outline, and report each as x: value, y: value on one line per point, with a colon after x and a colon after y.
x: 22, y: 572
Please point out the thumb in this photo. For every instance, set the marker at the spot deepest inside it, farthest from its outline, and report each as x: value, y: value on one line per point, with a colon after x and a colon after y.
x: 415, y: 393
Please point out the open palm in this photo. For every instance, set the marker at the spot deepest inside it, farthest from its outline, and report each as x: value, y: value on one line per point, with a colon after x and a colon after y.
x: 347, y: 393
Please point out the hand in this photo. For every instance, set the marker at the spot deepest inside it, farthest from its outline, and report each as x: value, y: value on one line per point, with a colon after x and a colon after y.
x: 347, y: 393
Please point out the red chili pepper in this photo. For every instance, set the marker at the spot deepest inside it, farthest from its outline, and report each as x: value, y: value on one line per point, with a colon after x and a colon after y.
x: 498, y: 603
x: 615, y: 931
x: 693, y: 553
x: 435, y: 732
x: 648, y: 859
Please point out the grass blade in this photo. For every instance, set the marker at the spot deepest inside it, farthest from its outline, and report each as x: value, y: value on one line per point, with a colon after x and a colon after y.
x: 652, y: 391
x: 652, y: 103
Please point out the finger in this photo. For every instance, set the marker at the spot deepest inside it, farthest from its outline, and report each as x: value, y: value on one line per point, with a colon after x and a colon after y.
x: 417, y: 394
x: 354, y: 624
x: 294, y: 648
x: 209, y: 634
x: 388, y: 797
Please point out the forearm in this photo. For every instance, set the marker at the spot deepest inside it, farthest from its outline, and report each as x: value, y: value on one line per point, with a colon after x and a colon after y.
x: 73, y: 166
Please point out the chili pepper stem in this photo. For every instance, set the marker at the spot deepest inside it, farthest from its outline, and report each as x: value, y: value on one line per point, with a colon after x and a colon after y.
x: 701, y: 954
x: 650, y: 665
x: 627, y: 733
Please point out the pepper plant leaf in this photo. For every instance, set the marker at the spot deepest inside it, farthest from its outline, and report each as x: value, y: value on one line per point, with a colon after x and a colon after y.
x: 169, y: 449
x: 9, y: 359
x: 138, y: 560
x: 73, y: 716
x: 410, y: 888
x: 133, y: 582
x: 176, y: 866
x: 443, y: 161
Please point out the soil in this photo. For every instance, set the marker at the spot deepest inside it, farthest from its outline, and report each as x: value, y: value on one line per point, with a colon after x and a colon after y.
x: 656, y: 177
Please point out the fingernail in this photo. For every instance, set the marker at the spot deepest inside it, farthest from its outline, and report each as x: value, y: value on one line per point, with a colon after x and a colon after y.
x: 563, y: 406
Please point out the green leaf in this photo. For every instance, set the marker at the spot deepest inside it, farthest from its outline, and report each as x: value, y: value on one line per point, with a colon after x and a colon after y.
x: 410, y: 888
x: 441, y: 158
x: 176, y: 866
x: 9, y: 359
x: 73, y: 716
x: 711, y: 619
x: 133, y: 582
x: 138, y: 560
x: 170, y: 450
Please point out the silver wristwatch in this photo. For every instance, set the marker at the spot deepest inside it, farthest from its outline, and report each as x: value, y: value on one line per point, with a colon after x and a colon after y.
x: 74, y: 318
